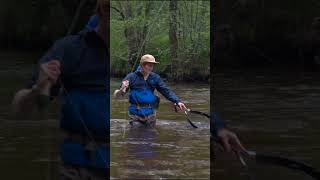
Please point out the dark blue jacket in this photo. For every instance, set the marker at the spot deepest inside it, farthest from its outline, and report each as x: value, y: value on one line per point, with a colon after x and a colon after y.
x: 142, y: 93
x: 85, y: 65
x: 84, y: 60
x: 154, y: 81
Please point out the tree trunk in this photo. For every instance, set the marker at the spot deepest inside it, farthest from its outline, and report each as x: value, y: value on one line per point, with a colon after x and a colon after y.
x: 135, y: 36
x: 145, y: 32
x: 173, y: 37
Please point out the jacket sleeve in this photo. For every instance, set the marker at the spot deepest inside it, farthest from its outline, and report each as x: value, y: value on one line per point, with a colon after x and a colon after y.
x: 166, y: 92
x: 216, y: 124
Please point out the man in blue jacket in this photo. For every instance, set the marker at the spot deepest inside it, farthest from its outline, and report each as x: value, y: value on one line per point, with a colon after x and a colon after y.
x: 77, y: 66
x: 142, y: 84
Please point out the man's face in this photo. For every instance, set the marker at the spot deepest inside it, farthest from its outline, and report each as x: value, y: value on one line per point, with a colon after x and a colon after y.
x: 147, y: 67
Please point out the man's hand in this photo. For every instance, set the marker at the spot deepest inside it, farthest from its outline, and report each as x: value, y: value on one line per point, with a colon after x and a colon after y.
x: 49, y: 70
x: 230, y: 141
x: 181, y: 106
x: 48, y: 74
x: 124, y: 86
x: 26, y: 99
x: 120, y: 92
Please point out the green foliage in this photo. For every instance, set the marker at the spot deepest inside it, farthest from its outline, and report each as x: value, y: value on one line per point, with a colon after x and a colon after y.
x: 193, y: 33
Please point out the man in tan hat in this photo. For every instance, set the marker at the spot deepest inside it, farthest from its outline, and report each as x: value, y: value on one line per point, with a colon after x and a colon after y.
x: 142, y: 84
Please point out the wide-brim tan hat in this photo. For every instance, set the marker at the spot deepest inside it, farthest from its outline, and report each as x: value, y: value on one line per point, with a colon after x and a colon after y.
x: 148, y: 59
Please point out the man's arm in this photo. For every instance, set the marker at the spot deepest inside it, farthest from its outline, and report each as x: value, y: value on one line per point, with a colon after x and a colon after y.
x: 170, y: 95
x: 227, y: 138
x: 123, y: 87
x: 25, y: 100
x: 36, y: 91
x: 38, y: 95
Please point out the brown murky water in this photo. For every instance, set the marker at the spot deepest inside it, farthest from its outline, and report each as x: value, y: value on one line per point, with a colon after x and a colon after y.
x: 28, y: 148
x: 172, y: 150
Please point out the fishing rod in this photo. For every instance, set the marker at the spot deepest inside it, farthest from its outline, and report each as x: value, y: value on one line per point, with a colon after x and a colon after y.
x: 280, y: 161
x: 198, y: 112
x: 189, y: 119
x: 267, y: 159
x: 283, y: 162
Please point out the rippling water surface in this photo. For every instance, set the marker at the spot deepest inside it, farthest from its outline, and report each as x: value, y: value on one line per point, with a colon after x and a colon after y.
x: 172, y: 150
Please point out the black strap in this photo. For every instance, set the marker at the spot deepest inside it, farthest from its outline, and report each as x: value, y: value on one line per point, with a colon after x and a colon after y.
x: 288, y: 163
x: 201, y: 113
x: 191, y: 123
x: 192, y: 111
x: 280, y: 161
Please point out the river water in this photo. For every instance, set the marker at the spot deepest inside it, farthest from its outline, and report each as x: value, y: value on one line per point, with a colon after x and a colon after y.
x: 274, y: 112
x: 28, y: 148
x: 172, y: 150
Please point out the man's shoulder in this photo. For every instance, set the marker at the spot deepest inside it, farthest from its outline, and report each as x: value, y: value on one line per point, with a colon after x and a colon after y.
x: 70, y: 40
x: 155, y: 75
x: 132, y: 74
x: 74, y: 39
x: 129, y: 76
x: 71, y: 44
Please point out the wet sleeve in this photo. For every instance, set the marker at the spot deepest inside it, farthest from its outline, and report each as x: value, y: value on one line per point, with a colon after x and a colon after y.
x: 216, y: 123
x: 55, y: 52
x: 166, y: 92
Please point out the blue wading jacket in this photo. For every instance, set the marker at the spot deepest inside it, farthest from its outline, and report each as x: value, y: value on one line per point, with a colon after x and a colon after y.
x: 84, y: 60
x: 142, y: 92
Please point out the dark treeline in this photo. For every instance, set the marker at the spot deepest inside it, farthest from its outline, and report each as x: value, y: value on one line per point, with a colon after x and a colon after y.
x: 36, y: 24
x: 267, y: 33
